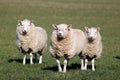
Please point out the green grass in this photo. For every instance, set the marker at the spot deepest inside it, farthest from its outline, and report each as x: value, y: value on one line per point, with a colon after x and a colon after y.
x: 79, y: 13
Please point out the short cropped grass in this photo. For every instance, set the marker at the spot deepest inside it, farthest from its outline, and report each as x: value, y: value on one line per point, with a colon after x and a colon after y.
x: 99, y: 13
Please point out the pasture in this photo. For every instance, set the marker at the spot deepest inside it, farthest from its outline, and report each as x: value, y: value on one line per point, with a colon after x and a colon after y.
x: 79, y: 13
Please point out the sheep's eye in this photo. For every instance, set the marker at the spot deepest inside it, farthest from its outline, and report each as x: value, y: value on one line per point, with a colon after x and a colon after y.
x: 66, y: 29
x: 87, y: 32
x: 20, y: 25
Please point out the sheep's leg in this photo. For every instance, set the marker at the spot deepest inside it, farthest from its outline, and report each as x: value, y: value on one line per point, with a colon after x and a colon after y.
x: 40, y: 59
x: 86, y: 62
x: 59, y: 66
x: 41, y: 53
x: 82, y: 64
x: 65, y: 65
x: 35, y: 54
x: 24, y: 59
x: 93, y: 64
x: 31, y: 58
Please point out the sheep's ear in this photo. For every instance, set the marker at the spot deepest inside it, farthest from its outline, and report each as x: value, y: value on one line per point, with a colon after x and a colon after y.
x: 55, y: 27
x: 98, y: 28
x: 69, y: 26
x: 31, y: 22
x: 19, y: 22
x: 86, y: 29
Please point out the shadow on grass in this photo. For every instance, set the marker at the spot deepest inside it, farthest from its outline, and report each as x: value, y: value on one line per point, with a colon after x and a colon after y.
x: 21, y: 61
x: 117, y: 57
x: 51, y: 68
x: 73, y: 66
x: 55, y: 68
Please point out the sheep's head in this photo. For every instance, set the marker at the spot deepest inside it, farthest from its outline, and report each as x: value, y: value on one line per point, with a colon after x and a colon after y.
x: 92, y: 33
x: 25, y: 26
x: 62, y: 30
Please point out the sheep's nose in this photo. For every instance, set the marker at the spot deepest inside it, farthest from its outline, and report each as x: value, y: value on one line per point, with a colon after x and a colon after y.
x: 24, y: 32
x: 91, y: 38
x: 59, y: 34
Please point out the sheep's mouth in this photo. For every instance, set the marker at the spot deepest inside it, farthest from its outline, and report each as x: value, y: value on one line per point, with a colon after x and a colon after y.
x: 91, y: 39
x: 60, y: 37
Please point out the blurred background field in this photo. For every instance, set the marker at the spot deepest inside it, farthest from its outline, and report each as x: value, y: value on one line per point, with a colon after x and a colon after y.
x: 79, y: 13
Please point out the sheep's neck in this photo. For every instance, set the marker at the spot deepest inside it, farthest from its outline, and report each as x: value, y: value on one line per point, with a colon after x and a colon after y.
x: 91, y: 46
x: 27, y: 39
x: 62, y: 46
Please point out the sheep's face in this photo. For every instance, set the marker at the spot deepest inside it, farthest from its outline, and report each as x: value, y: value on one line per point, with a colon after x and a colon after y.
x: 25, y: 26
x: 62, y: 30
x: 91, y: 33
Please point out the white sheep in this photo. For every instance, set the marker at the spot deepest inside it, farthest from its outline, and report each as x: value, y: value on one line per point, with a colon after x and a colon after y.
x: 93, y: 47
x: 30, y: 39
x: 66, y: 42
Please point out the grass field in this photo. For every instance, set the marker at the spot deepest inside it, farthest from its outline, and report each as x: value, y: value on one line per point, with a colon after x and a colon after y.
x: 79, y: 13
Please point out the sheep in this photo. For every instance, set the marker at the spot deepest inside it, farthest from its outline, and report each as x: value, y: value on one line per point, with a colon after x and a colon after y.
x: 66, y: 42
x: 30, y: 39
x: 93, y: 47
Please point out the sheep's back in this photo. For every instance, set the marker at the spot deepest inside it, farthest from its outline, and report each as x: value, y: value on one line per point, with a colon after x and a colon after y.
x: 79, y: 40
x: 40, y: 39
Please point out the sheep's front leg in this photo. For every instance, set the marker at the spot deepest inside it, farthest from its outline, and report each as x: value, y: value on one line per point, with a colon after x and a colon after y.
x: 65, y: 65
x: 40, y: 59
x: 82, y: 64
x: 93, y: 64
x: 24, y: 59
x: 31, y: 58
x: 59, y: 66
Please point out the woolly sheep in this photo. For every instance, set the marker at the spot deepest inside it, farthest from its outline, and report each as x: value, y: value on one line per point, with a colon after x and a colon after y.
x: 30, y: 39
x: 66, y: 42
x: 93, y: 47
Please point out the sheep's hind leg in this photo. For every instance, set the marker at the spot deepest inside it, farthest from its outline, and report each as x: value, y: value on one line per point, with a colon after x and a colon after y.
x: 31, y: 58
x: 59, y: 66
x: 41, y: 53
x: 24, y: 59
x: 40, y: 59
x: 93, y: 64
x: 35, y: 55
